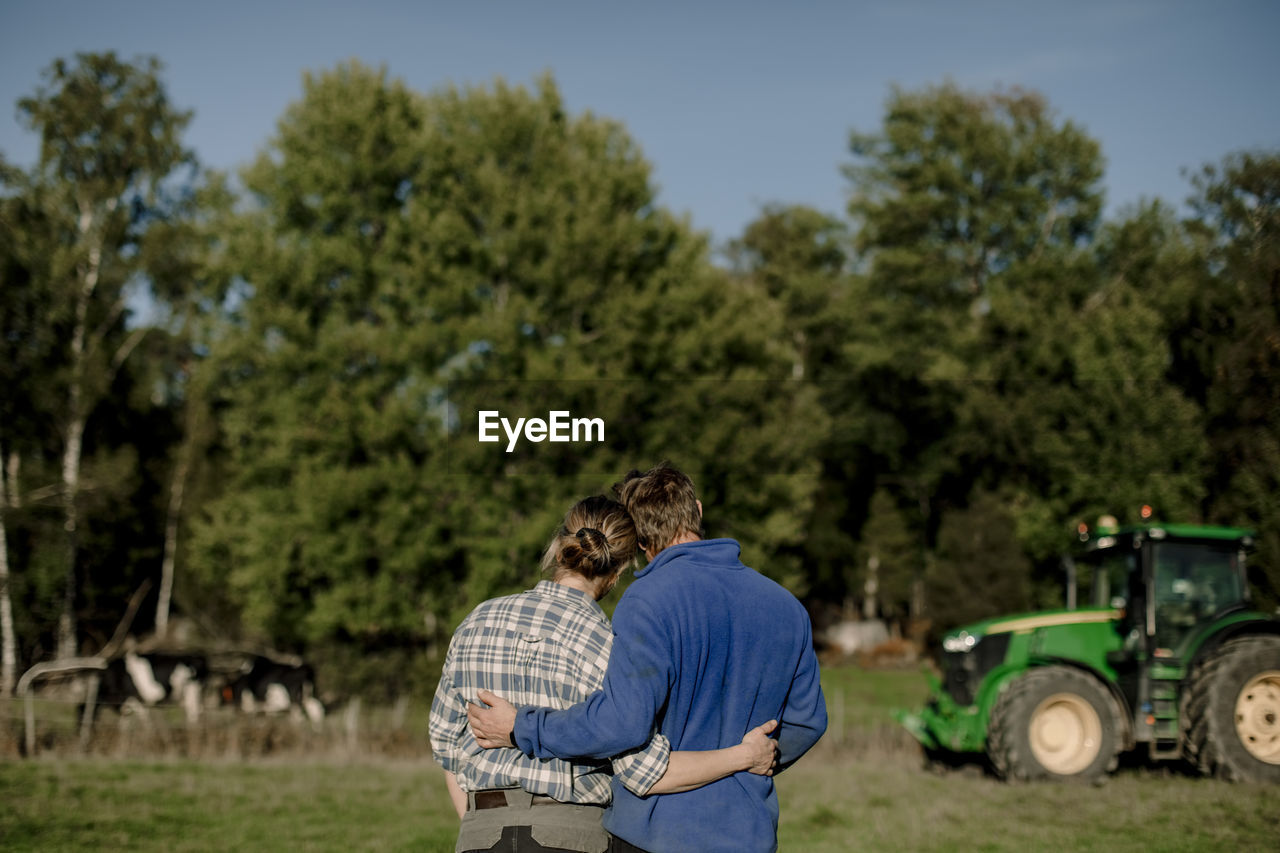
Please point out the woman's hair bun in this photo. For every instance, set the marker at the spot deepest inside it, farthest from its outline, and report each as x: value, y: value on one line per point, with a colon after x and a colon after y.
x: 595, y: 551
x: 596, y: 540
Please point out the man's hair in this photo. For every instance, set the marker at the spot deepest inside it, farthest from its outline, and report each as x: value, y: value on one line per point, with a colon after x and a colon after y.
x: 662, y: 503
x: 597, y: 540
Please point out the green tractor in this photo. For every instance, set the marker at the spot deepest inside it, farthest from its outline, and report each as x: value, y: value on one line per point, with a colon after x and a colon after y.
x: 1168, y: 656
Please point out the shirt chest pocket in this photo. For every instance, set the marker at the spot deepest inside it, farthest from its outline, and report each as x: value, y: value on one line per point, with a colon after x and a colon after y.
x: 549, y: 669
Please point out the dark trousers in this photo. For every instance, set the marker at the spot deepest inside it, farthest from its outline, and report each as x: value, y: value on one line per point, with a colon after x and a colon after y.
x: 517, y: 839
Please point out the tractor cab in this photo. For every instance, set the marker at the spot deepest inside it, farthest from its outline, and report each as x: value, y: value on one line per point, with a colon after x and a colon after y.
x: 1173, y: 586
x: 1167, y: 581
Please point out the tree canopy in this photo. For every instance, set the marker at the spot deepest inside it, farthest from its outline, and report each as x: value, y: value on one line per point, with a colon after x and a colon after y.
x: 904, y: 408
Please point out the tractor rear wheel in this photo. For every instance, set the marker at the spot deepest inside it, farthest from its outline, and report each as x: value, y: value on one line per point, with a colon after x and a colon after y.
x: 1231, y: 715
x: 1054, y: 722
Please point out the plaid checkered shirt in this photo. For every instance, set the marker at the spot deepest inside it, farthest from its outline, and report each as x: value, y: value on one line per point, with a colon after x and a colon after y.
x: 547, y: 647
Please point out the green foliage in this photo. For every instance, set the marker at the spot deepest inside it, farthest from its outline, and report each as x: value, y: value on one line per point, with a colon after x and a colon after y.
x: 792, y: 263
x: 947, y: 380
x: 313, y: 384
x: 956, y: 190
x: 962, y: 202
x: 111, y: 168
x: 1238, y: 211
x: 979, y: 569
x: 887, y: 538
x: 501, y: 254
x: 797, y: 258
x: 1031, y: 341
x: 31, y: 349
x: 107, y: 131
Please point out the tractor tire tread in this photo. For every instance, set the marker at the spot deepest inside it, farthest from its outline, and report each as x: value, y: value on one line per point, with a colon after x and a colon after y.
x: 1007, y: 748
x: 1204, y: 732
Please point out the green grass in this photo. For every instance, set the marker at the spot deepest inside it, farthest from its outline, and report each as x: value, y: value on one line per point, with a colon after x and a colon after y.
x: 859, y: 701
x: 831, y: 801
x: 862, y: 787
x: 100, y: 804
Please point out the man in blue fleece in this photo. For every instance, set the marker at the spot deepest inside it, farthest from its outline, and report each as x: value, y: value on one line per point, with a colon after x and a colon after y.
x: 705, y: 649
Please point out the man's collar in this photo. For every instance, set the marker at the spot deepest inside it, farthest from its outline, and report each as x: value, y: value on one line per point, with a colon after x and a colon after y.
x: 685, y: 548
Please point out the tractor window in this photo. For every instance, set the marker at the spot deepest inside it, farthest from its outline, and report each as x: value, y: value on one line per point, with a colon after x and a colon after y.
x: 1111, y: 570
x: 1193, y: 581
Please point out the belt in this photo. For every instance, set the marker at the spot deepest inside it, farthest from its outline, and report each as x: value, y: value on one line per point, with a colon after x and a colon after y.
x: 499, y: 799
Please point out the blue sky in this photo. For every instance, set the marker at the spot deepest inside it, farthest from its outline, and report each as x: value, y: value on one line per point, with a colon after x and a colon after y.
x: 735, y: 104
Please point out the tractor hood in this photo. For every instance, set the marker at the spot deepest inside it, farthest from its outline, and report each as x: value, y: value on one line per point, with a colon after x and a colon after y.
x: 964, y: 638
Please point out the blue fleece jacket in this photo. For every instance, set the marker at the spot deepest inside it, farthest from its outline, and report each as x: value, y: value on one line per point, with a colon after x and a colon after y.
x: 708, y: 648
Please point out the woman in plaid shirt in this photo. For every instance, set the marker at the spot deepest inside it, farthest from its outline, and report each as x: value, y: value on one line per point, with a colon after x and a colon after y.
x: 549, y: 647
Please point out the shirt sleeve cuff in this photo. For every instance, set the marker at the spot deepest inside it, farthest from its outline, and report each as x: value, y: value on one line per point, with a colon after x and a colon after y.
x: 640, y: 769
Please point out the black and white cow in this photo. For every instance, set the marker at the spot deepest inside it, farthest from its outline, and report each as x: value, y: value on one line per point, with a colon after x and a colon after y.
x: 140, y: 681
x: 273, y: 687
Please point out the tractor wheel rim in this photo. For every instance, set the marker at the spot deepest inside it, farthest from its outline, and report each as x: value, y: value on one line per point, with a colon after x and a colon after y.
x: 1258, y: 716
x: 1065, y: 734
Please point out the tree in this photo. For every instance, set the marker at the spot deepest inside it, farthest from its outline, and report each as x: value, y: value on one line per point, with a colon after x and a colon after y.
x: 189, y: 280
x: 980, y: 569
x: 110, y: 142
x: 796, y: 260
x: 796, y: 257
x: 963, y: 204
x: 23, y: 352
x: 8, y: 640
x: 957, y: 189
x: 1020, y: 344
x: 31, y: 356
x: 893, y: 557
x: 415, y: 259
x: 1077, y: 415
x: 319, y: 532
x: 1237, y: 206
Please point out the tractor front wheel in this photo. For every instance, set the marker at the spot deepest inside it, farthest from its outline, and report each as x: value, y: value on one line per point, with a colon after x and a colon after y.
x: 1053, y: 722
x: 1232, y: 711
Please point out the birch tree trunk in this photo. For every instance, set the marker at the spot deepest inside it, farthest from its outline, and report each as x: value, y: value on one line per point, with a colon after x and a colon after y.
x: 70, y: 488
x: 75, y: 434
x: 176, y: 489
x: 8, y: 642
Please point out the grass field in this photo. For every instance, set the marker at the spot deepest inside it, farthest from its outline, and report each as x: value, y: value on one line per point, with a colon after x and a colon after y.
x: 862, y: 788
